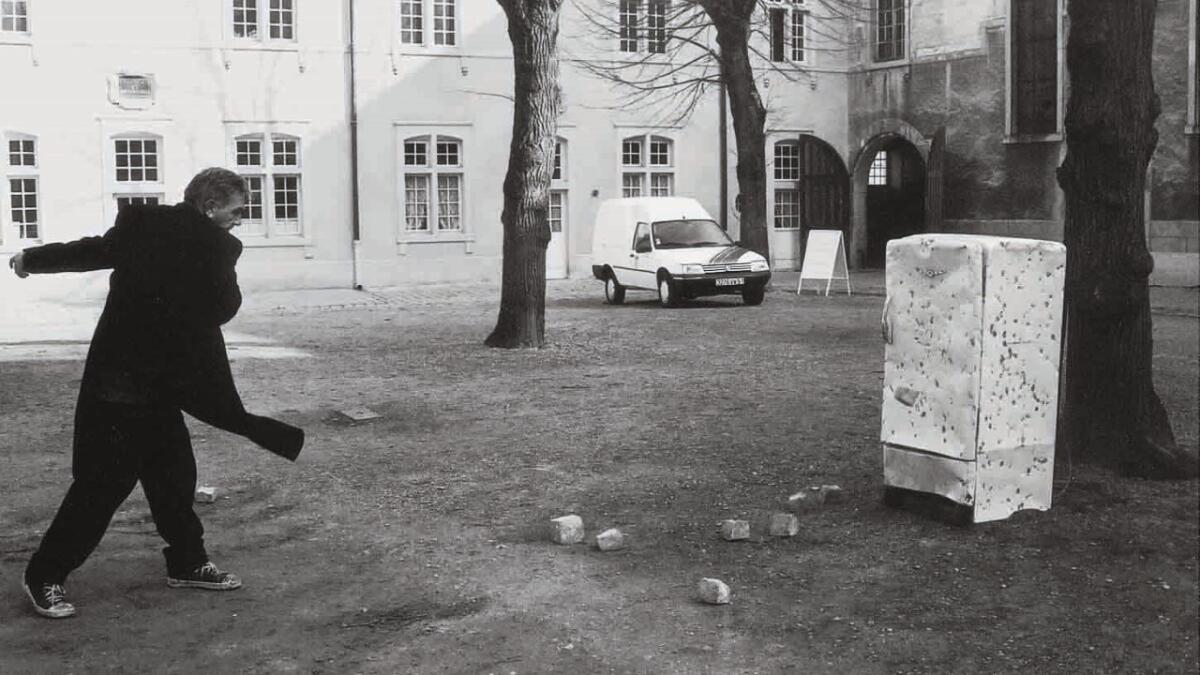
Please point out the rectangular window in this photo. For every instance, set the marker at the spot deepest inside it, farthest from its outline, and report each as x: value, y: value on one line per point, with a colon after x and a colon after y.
x: 21, y: 153
x: 889, y: 29
x: 136, y: 160
x: 878, y: 173
x: 787, y: 209
x: 449, y: 202
x: 136, y: 200
x: 412, y: 22
x: 628, y: 17
x: 448, y: 153
x: 656, y: 26
x: 23, y: 202
x: 660, y: 153
x: 245, y: 18
x: 286, y: 198
x: 557, y: 200
x: 558, y: 162
x: 631, y: 153
x: 416, y: 203
x: 798, y: 19
x: 631, y: 185
x: 777, y: 15
x: 252, y: 217
x: 434, y: 184
x: 444, y: 22
x: 662, y: 184
x: 270, y: 163
x: 14, y: 16
x: 281, y: 20
x: 1035, y: 66
x: 787, y: 161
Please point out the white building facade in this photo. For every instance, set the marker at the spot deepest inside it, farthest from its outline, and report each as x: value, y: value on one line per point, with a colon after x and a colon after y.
x: 375, y: 134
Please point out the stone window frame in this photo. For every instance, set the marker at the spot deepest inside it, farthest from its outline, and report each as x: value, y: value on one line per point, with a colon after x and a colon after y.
x: 646, y: 170
x: 255, y: 159
x: 783, y: 46
x: 1011, y: 134
x: 426, y: 14
x: 12, y: 232
x: 262, y: 24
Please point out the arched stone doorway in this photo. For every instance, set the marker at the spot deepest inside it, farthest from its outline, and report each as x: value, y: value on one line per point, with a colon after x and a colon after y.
x: 897, y: 189
x: 809, y: 189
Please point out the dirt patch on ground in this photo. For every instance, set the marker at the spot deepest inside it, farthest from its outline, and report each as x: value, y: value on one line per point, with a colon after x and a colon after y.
x: 415, y: 542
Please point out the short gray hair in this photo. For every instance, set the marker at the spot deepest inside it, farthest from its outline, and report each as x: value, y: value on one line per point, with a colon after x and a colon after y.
x: 214, y: 184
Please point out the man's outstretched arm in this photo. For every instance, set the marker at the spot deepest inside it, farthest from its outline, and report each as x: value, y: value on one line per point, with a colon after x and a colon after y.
x: 82, y: 255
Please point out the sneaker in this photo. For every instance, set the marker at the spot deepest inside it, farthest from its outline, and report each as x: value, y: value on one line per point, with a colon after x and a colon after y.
x: 50, y: 600
x: 206, y: 576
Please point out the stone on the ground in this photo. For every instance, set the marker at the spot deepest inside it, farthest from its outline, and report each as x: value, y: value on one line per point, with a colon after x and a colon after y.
x: 206, y: 495
x: 566, y: 529
x: 832, y: 494
x: 784, y: 525
x: 734, y: 530
x: 803, y: 500
x: 610, y: 540
x: 713, y: 591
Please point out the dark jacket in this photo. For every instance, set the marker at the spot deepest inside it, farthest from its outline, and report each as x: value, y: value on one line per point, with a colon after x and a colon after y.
x: 159, y: 339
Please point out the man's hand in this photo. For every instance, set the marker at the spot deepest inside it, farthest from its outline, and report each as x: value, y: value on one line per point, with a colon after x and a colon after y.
x: 17, y: 263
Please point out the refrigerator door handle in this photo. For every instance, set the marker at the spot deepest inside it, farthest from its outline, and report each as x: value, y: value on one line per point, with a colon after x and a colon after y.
x: 886, y: 320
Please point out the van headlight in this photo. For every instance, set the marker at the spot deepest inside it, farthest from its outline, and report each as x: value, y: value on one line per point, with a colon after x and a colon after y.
x: 759, y: 266
x: 693, y: 269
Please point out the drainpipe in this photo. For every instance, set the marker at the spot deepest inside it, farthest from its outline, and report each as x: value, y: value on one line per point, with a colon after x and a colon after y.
x: 723, y: 162
x: 354, y: 222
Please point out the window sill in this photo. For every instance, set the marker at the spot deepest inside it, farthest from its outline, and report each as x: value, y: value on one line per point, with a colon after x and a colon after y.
x: 406, y: 240
x: 256, y: 46
x: 884, y: 65
x: 404, y: 49
x: 1016, y: 139
x: 277, y: 241
x: 16, y: 39
x: 11, y: 249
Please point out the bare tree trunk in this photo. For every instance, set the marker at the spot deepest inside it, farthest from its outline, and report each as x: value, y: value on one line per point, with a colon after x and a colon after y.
x: 732, y: 20
x: 1111, y: 413
x: 533, y: 31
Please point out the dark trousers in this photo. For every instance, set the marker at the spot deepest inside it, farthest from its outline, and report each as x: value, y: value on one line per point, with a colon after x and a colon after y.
x: 117, y: 445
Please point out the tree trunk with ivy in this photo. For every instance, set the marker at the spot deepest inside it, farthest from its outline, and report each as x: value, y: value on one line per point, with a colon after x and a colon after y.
x: 732, y: 20
x: 533, y: 31
x: 1111, y: 412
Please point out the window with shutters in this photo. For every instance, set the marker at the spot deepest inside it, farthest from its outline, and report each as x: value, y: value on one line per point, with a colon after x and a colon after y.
x: 1034, y: 86
x: 787, y: 20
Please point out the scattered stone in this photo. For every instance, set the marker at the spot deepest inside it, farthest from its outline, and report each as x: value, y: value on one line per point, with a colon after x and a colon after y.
x: 832, y: 494
x: 360, y: 414
x: 713, y: 591
x: 803, y: 500
x: 610, y: 540
x: 566, y: 529
x: 206, y: 495
x: 735, y: 530
x: 784, y: 525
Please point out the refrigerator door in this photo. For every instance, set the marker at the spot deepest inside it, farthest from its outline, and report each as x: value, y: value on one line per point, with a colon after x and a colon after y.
x: 933, y: 319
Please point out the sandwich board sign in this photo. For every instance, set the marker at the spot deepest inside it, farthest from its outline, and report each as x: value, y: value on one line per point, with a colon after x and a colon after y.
x: 824, y: 259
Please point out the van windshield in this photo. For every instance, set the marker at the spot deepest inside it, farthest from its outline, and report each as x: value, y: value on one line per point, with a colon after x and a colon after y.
x: 689, y: 234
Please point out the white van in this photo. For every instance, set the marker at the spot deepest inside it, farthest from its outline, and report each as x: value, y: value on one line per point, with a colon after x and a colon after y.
x: 671, y: 245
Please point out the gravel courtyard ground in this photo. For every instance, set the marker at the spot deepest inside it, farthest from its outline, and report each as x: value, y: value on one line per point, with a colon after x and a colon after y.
x: 413, y: 543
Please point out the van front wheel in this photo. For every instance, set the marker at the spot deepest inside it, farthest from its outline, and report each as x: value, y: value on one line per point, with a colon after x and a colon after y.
x: 668, y: 296
x: 614, y: 293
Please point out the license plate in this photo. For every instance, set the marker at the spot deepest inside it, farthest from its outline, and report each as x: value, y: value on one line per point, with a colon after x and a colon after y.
x: 735, y: 281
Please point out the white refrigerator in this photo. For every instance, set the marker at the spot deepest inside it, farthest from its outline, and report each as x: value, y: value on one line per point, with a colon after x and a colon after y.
x: 972, y: 326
